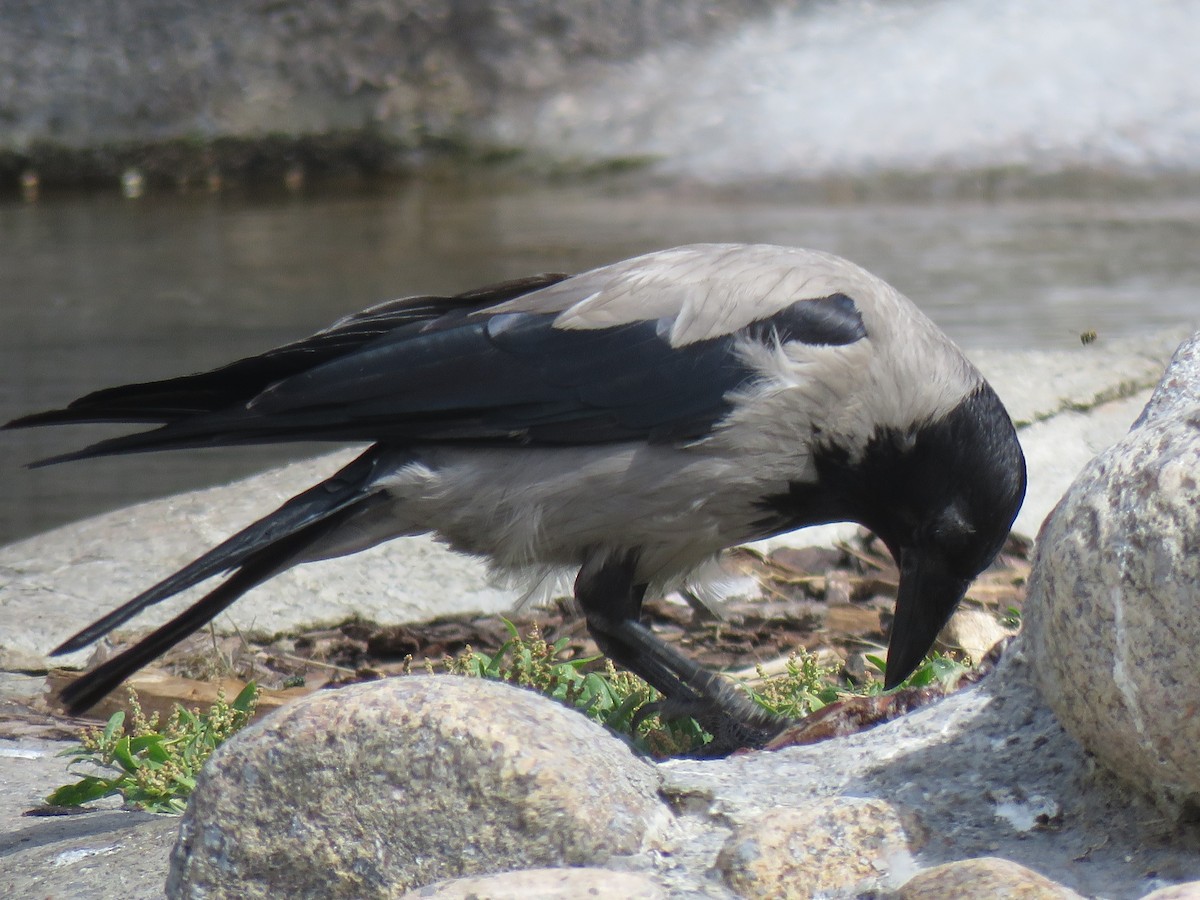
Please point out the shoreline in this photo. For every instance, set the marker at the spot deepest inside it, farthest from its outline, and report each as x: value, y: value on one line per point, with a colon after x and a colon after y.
x: 367, y: 159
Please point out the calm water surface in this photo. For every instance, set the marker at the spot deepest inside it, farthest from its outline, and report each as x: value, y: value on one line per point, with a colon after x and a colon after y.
x: 97, y: 291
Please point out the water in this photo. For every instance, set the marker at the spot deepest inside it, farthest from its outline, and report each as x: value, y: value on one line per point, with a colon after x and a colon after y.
x: 1029, y: 108
x: 99, y: 291
x: 918, y: 86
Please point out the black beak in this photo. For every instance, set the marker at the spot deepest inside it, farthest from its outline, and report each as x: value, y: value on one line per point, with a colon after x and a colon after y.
x: 924, y: 602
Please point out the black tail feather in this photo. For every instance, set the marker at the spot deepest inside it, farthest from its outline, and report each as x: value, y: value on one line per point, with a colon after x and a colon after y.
x: 190, y: 434
x: 279, y: 555
x: 347, y: 488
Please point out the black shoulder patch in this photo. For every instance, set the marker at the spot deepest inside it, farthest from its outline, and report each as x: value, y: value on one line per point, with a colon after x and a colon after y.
x: 832, y: 320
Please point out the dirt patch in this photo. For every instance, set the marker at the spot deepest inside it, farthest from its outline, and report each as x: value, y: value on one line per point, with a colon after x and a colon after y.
x: 836, y: 603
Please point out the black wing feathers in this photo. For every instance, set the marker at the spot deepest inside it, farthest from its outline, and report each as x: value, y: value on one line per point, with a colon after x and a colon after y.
x: 432, y: 370
x: 238, y: 382
x: 268, y: 560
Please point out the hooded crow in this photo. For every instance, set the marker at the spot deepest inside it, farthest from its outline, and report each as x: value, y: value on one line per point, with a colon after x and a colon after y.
x: 622, y: 426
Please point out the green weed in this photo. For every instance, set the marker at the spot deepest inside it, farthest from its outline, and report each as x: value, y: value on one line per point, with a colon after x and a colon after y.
x: 608, y: 696
x: 154, y: 768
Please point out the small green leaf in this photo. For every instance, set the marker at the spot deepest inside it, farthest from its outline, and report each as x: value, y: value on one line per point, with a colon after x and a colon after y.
x: 115, y: 721
x: 77, y: 752
x: 83, y: 791
x: 921, y: 678
x: 150, y: 745
x: 246, y: 698
x: 188, y: 720
x: 124, y: 757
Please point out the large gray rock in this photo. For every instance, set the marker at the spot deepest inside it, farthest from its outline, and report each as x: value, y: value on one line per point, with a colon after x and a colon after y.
x: 1112, y: 618
x: 378, y: 788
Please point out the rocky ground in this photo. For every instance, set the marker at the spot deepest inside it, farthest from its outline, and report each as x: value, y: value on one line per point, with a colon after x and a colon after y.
x: 988, y: 771
x: 833, y: 602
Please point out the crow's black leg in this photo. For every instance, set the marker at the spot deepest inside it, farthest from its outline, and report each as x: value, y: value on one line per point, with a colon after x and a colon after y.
x: 612, y: 602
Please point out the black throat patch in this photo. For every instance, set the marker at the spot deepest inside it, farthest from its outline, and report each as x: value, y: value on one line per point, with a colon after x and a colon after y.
x: 964, y: 470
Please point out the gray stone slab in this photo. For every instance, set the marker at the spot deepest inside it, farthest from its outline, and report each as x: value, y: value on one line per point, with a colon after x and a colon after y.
x: 1070, y: 405
x: 104, y: 854
x: 57, y: 582
x: 1038, y: 384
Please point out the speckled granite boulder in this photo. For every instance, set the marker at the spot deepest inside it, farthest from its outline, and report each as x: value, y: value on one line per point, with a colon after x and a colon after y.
x: 836, y: 846
x: 378, y: 788
x: 1113, y: 617
x: 985, y: 878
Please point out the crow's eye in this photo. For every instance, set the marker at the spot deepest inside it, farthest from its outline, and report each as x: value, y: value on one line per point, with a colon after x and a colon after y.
x: 967, y: 547
x: 952, y: 522
x: 951, y: 531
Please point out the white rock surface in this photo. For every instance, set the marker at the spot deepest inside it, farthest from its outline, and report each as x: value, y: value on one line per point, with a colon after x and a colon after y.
x: 545, y: 884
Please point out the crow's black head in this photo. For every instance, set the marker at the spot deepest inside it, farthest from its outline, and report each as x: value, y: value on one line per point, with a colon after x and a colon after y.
x: 952, y: 486
x: 942, y: 495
